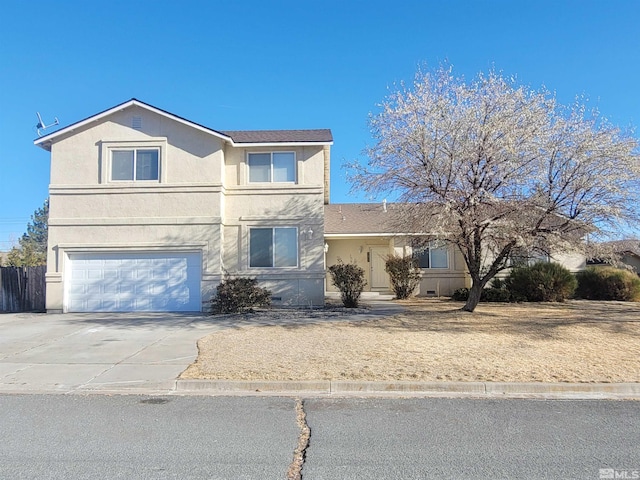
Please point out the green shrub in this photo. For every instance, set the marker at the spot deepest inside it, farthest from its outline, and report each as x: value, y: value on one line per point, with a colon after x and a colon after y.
x: 460, y: 294
x: 607, y: 283
x: 349, y: 279
x: 404, y: 275
x: 491, y: 294
x: 542, y: 282
x: 239, y: 294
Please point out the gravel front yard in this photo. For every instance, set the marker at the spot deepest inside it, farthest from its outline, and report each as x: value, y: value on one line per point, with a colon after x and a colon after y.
x: 576, y: 341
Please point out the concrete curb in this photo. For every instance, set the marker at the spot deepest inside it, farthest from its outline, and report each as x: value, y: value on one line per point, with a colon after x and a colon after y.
x: 249, y: 386
x: 426, y: 389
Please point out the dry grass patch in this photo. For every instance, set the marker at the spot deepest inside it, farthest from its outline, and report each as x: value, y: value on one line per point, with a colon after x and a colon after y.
x: 576, y: 341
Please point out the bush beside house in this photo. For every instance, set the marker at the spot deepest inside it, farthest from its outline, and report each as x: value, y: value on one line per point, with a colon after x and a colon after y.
x: 608, y: 283
x: 241, y: 294
x: 542, y: 282
x: 349, y: 279
x: 404, y: 275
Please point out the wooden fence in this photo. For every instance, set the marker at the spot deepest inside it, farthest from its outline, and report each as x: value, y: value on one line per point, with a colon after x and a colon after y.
x: 22, y: 289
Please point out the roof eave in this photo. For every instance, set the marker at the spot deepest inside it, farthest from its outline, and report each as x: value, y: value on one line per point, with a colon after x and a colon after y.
x: 386, y: 234
x: 46, y: 141
x: 279, y: 144
x: 348, y: 235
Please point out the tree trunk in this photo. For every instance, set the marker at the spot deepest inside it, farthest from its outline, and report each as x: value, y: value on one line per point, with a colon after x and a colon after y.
x: 474, y: 297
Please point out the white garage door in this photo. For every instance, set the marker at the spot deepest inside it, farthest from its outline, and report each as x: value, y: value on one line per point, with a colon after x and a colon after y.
x: 129, y: 282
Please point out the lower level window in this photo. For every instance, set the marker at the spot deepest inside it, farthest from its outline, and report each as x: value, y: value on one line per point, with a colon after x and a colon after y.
x: 432, y: 255
x: 273, y: 247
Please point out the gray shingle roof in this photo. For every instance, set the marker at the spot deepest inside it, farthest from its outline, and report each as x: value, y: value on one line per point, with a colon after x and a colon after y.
x: 279, y: 136
x: 357, y: 218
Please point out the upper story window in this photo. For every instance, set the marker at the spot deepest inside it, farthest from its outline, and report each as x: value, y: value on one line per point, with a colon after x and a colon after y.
x: 434, y: 254
x: 273, y: 247
x: 274, y: 167
x: 135, y: 164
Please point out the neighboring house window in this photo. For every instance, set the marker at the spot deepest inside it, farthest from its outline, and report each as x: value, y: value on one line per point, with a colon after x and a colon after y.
x: 135, y: 164
x: 272, y: 167
x: 520, y: 257
x: 273, y: 247
x: 432, y: 255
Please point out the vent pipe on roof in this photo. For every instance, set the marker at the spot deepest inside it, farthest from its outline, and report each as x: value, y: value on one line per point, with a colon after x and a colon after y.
x: 384, y: 205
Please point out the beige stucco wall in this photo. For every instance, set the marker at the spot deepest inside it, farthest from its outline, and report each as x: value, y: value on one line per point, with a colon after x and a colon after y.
x: 188, y: 156
x: 354, y: 250
x: 633, y: 261
x: 444, y: 281
x: 437, y: 281
x: 574, y: 262
x: 199, y: 204
x: 298, y: 205
x: 309, y: 164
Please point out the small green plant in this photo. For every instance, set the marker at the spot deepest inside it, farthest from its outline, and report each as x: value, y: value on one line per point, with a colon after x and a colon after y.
x: 491, y: 294
x: 607, y: 283
x: 349, y: 279
x: 460, y: 294
x: 541, y: 282
x: 240, y: 294
x: 404, y: 275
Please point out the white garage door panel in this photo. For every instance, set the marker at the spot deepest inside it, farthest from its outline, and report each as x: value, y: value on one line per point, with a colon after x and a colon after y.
x: 134, y: 282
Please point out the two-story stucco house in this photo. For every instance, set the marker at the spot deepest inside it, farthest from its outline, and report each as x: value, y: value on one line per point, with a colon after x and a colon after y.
x: 148, y: 210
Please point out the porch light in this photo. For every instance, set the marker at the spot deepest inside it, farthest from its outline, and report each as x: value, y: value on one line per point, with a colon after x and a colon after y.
x: 326, y: 247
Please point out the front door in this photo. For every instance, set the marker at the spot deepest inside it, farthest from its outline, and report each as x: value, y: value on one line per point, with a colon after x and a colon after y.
x: 379, y: 278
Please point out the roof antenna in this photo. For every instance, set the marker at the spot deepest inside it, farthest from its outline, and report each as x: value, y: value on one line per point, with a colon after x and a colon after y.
x: 41, y: 125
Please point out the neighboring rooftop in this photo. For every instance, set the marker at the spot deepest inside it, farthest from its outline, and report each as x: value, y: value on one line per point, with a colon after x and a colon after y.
x: 626, y: 246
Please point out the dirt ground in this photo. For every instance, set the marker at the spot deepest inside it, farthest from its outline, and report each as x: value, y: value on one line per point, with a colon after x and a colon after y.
x: 576, y: 341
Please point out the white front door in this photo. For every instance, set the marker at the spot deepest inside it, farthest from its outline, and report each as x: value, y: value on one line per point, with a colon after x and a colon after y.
x: 379, y: 278
x: 128, y: 282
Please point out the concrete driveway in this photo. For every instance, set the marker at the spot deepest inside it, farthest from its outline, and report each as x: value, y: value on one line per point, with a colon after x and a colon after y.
x: 115, y: 352
x: 98, y: 352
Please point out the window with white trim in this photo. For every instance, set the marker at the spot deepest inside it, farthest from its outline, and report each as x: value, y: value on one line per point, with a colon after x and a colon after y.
x: 135, y: 164
x: 273, y: 167
x: 273, y: 247
x: 434, y: 254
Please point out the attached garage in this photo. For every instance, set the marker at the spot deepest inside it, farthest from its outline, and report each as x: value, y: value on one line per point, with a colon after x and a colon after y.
x: 130, y: 282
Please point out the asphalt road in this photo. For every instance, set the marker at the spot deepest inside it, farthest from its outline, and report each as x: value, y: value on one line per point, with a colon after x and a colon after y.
x: 136, y: 437
x: 141, y: 437
x: 465, y: 438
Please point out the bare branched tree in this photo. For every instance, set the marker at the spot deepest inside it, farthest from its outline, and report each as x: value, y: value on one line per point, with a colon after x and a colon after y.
x: 494, y: 168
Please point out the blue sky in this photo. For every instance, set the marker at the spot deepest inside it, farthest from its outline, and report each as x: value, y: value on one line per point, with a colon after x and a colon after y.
x: 234, y: 65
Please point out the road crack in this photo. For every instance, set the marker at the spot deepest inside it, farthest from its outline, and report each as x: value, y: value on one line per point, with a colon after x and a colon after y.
x: 295, y: 469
